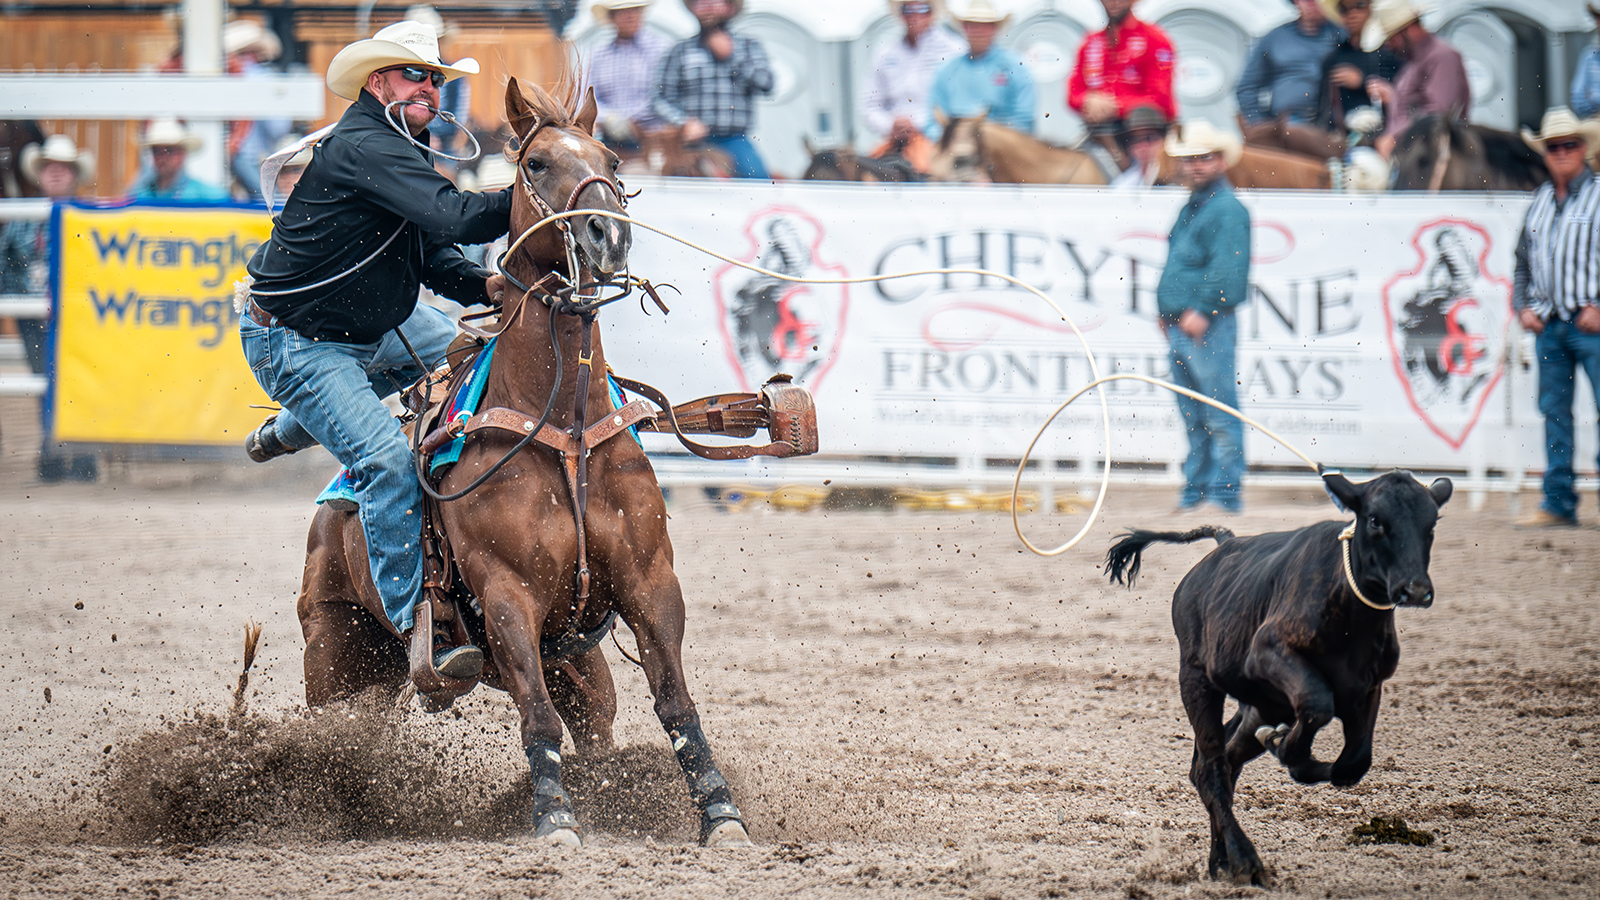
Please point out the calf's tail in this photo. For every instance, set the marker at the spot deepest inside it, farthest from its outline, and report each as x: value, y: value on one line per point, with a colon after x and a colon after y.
x: 1123, y: 559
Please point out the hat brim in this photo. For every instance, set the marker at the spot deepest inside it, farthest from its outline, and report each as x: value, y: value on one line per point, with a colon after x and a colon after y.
x: 352, y: 66
x: 33, y: 159
x: 1375, y: 35
x: 1232, y: 151
x: 985, y: 20
x: 602, y: 12
x: 1588, y: 130
x: 188, y: 142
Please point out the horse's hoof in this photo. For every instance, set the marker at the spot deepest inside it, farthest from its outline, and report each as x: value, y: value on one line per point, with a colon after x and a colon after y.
x: 1268, y: 736
x: 558, y: 826
x: 729, y: 834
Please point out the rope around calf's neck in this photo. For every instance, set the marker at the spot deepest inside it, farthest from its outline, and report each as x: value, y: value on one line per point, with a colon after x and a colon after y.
x: 1346, y: 538
x: 1094, y: 367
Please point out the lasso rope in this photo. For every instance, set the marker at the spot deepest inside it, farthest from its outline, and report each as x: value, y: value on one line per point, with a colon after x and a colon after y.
x: 1094, y: 367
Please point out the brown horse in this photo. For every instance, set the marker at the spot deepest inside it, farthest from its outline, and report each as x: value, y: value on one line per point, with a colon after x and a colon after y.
x: 1442, y: 153
x: 1260, y: 167
x: 515, y: 541
x: 845, y: 164
x: 664, y: 152
x: 1292, y: 137
x: 14, y: 136
x: 976, y: 149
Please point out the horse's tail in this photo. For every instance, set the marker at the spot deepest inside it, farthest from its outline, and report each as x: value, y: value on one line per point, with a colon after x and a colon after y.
x: 252, y: 642
x: 1124, y: 558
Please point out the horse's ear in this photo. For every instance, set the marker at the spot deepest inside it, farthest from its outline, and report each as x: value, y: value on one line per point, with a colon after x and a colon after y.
x: 982, y: 114
x: 588, y: 111
x: 942, y: 117
x: 517, y: 109
x: 805, y: 141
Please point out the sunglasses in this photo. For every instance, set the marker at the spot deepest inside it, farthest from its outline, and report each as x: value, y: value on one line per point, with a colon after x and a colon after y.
x: 1562, y: 146
x: 1146, y: 137
x: 414, y: 74
x: 913, y: 8
x: 1346, y: 9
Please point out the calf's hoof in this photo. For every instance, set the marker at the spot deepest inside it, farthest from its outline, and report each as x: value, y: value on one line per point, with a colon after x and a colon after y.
x: 1270, y: 736
x: 729, y: 834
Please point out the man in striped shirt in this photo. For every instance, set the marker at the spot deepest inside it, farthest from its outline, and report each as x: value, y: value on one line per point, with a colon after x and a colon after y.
x: 1555, y: 294
x: 709, y: 84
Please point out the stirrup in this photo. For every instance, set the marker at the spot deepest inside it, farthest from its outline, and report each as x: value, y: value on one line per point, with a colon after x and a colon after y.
x: 263, y: 443
x: 459, y: 663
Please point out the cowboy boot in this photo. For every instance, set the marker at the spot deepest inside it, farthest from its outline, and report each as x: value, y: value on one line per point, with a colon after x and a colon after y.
x: 263, y: 443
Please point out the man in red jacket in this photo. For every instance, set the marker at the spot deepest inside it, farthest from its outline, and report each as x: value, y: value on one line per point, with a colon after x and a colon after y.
x: 1127, y: 65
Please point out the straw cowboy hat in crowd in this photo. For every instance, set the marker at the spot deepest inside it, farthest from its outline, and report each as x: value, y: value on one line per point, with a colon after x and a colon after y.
x: 1562, y: 122
x: 400, y: 44
x: 247, y: 34
x: 57, y: 148
x: 1388, y: 18
x: 1199, y: 138
x: 983, y: 11
x: 602, y: 11
x: 169, y: 133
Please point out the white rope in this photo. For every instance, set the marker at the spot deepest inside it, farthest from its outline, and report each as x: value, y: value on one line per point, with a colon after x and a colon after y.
x: 1346, y: 538
x: 1094, y: 367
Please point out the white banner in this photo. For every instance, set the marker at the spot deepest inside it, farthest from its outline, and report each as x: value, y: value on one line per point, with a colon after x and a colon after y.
x: 1375, y: 335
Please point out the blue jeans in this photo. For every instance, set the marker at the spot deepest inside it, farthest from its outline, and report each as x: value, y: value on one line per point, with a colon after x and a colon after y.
x: 1562, y: 349
x: 331, y: 395
x: 746, y: 161
x: 1214, y: 469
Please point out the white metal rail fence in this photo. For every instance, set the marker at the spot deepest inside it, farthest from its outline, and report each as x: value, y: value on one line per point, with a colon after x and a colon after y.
x: 21, y: 306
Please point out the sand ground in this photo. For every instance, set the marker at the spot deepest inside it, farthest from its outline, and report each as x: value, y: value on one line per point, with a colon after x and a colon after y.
x: 908, y: 705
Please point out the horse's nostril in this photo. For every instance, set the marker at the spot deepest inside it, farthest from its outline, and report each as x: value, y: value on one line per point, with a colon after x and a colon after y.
x: 597, y: 231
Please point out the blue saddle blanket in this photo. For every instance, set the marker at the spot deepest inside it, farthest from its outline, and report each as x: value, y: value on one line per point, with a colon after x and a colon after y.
x: 464, y: 405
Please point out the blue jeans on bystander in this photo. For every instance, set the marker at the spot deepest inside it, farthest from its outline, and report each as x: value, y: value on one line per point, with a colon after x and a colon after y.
x: 1562, y: 350
x: 1214, y: 469
x: 746, y: 161
x: 332, y: 395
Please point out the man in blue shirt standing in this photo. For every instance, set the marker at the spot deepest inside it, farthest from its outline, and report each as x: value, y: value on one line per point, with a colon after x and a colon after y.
x: 1205, y: 281
x: 1287, y: 63
x: 1585, y: 95
x: 987, y: 79
x: 170, y: 144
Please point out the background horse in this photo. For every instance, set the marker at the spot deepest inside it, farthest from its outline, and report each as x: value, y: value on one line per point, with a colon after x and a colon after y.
x: 1292, y: 137
x: 14, y: 135
x: 1261, y: 167
x: 845, y: 164
x: 1442, y: 153
x: 515, y: 541
x: 975, y: 148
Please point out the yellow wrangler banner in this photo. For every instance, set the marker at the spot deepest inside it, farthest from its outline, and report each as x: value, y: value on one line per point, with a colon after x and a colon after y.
x: 147, y: 344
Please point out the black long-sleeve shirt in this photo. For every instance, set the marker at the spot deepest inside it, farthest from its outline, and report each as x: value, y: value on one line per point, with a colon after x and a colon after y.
x: 364, y: 182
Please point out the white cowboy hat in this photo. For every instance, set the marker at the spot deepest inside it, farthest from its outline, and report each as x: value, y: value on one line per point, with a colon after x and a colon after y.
x: 400, y: 44
x: 979, y: 11
x: 169, y: 133
x: 247, y: 34
x: 57, y: 148
x: 1562, y: 122
x: 602, y: 11
x: 1388, y: 17
x: 1199, y: 138
x: 423, y: 14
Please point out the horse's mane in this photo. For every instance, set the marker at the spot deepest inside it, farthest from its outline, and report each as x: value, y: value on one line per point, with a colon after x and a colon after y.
x: 1511, y: 156
x: 557, y: 105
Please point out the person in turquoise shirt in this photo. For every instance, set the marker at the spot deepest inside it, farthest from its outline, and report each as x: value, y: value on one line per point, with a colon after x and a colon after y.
x: 170, y: 145
x: 1205, y: 280
x: 987, y: 79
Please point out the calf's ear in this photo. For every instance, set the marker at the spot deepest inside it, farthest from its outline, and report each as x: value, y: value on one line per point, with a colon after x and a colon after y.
x: 1346, y: 496
x: 1440, y: 491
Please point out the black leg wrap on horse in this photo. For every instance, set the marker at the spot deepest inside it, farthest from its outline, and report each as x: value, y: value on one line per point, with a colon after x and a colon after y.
x: 552, y: 807
x: 707, y: 787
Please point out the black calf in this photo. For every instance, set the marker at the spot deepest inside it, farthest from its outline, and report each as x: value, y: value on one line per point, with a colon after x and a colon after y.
x: 1297, y: 626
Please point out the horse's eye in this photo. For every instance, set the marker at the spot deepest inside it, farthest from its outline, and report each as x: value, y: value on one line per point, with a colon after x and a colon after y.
x: 536, y: 165
x: 615, y: 163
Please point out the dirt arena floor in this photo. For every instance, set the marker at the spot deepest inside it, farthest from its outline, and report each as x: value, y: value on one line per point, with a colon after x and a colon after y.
x: 908, y: 705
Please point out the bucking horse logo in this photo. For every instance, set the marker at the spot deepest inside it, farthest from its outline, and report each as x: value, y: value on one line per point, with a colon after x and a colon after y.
x: 771, y: 325
x: 1447, y: 320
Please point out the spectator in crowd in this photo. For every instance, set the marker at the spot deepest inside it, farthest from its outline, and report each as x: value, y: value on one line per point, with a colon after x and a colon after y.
x: 58, y: 168
x: 455, y: 97
x: 249, y: 48
x: 1555, y: 292
x: 1433, y: 79
x: 1204, y: 283
x: 895, y: 102
x: 1286, y: 65
x: 708, y: 84
x: 1143, y: 130
x: 986, y: 79
x: 622, y: 73
x: 1345, y: 74
x: 170, y: 144
x: 1125, y: 66
x: 1585, y: 91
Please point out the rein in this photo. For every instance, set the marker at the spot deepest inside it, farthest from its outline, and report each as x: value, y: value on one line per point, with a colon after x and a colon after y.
x: 1346, y: 538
